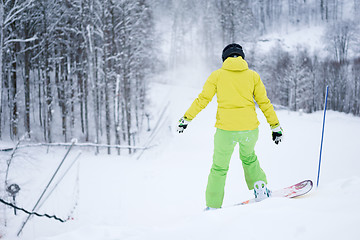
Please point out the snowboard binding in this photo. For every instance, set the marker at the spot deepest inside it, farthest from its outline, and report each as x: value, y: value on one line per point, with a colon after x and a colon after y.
x: 261, y: 191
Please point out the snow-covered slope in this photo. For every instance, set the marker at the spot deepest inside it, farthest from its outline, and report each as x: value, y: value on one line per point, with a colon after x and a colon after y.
x: 161, y: 195
x: 310, y: 38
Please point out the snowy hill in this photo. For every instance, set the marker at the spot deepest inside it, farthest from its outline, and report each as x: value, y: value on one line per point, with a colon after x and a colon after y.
x: 162, y: 195
x: 311, y: 38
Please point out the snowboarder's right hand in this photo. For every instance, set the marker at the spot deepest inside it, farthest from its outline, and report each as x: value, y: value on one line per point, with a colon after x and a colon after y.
x: 277, y: 133
x: 183, y: 122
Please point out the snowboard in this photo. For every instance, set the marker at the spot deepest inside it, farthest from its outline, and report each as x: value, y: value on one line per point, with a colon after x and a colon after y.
x: 293, y: 191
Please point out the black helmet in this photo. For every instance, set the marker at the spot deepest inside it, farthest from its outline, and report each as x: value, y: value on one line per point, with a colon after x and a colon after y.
x: 232, y: 50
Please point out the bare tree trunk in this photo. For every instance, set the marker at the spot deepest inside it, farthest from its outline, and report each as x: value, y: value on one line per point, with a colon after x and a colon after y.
x: 1, y: 62
x: 27, y: 86
x: 116, y: 90
x: 44, y: 108
x: 98, y: 91
x: 39, y: 94
x: 48, y: 91
x: 13, y: 89
x: 62, y: 95
x: 84, y: 78
x: 70, y: 81
x: 106, y: 69
x: 48, y: 96
x: 90, y: 54
x: 117, y: 112
x: 86, y: 111
x: 107, y: 114
x: 128, y: 109
x: 80, y: 89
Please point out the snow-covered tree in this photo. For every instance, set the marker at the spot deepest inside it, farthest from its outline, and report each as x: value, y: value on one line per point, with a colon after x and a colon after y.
x: 339, y: 36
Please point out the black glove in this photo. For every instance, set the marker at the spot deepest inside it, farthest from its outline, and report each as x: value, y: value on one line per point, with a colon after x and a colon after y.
x: 277, y: 134
x: 183, y: 123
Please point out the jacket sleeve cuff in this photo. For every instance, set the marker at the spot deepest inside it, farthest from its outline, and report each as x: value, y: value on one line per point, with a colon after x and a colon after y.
x: 274, y: 126
x: 187, y: 118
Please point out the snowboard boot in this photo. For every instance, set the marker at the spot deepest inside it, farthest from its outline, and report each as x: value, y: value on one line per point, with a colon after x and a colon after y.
x: 261, y: 192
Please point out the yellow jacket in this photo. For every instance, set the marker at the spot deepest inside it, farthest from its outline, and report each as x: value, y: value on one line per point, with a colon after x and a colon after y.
x: 236, y: 87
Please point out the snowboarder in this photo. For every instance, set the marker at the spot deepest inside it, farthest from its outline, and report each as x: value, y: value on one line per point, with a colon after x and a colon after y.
x: 236, y: 87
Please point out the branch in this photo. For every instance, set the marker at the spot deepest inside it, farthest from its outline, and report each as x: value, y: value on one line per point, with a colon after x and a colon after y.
x: 15, y: 11
x: 8, y: 162
x: 21, y: 40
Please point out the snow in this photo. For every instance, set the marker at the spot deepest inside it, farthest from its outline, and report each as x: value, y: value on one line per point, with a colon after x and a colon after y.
x: 310, y: 38
x: 162, y: 195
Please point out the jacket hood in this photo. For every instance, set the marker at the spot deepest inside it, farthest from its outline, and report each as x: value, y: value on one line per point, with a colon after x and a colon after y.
x: 235, y: 64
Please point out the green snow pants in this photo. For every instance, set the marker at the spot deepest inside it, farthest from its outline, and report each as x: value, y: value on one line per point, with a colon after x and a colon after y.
x: 224, y: 144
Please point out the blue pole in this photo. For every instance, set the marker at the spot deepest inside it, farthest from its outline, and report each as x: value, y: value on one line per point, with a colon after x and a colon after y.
x: 322, y: 135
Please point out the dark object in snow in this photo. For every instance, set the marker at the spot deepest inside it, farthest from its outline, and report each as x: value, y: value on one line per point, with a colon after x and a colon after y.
x: 6, y: 149
x: 13, y: 189
x: 31, y: 213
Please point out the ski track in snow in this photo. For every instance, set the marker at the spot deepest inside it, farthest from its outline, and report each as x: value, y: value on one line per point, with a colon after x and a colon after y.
x: 162, y: 195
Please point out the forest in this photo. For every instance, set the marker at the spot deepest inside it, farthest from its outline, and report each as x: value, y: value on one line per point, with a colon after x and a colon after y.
x: 70, y: 65
x: 82, y: 68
